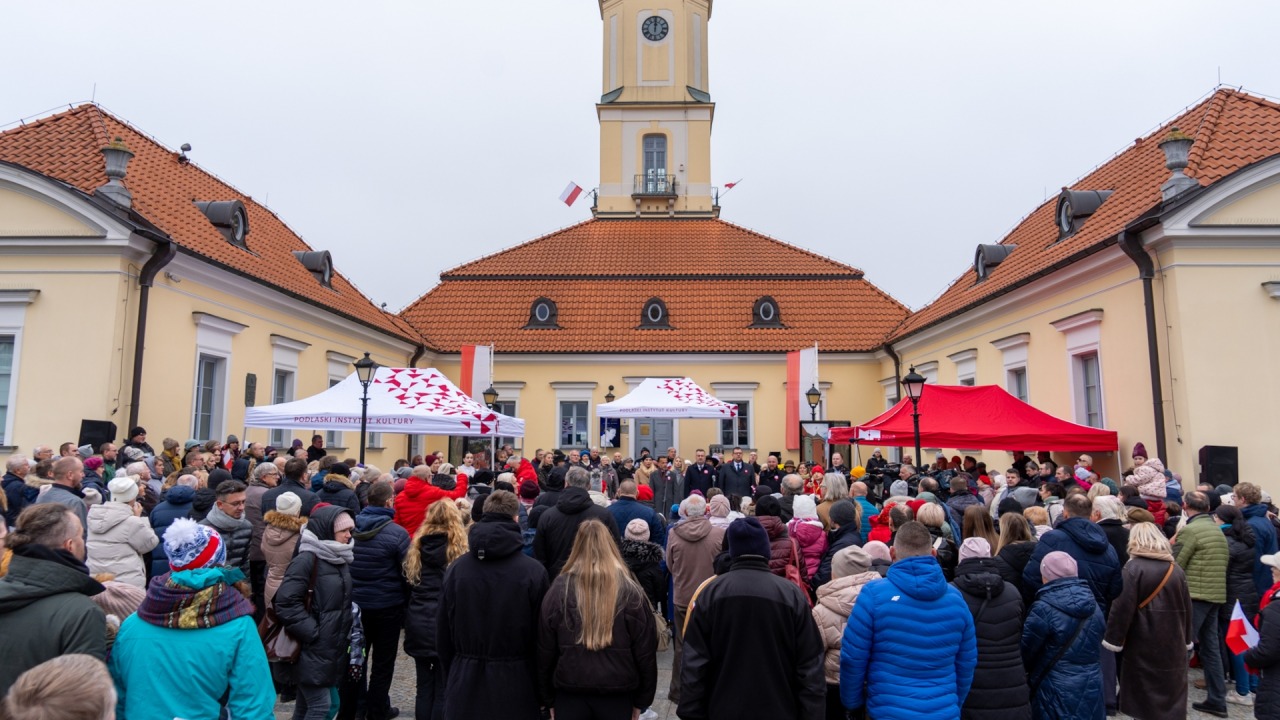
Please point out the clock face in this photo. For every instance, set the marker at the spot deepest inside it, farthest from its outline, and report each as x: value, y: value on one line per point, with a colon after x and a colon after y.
x: 654, y: 28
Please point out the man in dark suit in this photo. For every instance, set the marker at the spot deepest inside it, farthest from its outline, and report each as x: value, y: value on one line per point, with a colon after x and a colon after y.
x: 700, y: 475
x: 736, y: 475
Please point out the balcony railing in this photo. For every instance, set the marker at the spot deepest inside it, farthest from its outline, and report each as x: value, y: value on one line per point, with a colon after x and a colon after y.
x: 654, y: 186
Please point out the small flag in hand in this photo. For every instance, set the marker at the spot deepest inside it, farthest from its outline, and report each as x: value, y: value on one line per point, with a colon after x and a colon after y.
x: 570, y: 194
x: 729, y: 186
x: 1240, y: 634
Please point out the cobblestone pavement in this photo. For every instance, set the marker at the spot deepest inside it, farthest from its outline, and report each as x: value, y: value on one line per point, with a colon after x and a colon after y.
x: 402, y: 692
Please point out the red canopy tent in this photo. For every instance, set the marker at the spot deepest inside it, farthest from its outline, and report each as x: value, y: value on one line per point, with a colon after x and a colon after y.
x: 982, y: 417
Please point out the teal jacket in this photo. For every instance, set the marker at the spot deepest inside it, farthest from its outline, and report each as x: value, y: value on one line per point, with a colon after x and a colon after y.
x: 163, y: 673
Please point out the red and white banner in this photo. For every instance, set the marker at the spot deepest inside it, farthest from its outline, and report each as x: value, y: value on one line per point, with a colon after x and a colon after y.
x: 570, y: 194
x: 1240, y: 634
x: 802, y: 374
x: 477, y: 373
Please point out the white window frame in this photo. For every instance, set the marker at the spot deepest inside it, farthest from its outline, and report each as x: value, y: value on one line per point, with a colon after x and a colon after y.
x: 217, y: 398
x: 1083, y: 333
x: 340, y: 366
x: 214, y: 336
x: 929, y: 370
x: 285, y: 354
x: 509, y: 391
x: 575, y: 392
x: 966, y: 362
x: 13, y: 318
x: 736, y: 392
x: 1013, y: 351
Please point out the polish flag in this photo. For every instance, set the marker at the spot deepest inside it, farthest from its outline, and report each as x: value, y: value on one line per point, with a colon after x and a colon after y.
x: 802, y: 373
x: 570, y: 194
x: 1240, y: 634
x: 476, y: 376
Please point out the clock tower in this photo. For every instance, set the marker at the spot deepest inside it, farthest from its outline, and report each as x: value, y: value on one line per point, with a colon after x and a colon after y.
x: 655, y: 110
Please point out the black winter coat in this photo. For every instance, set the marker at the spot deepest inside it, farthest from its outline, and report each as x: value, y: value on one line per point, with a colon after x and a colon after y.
x: 1011, y: 561
x: 424, y: 597
x: 837, y: 540
x: 783, y: 645
x: 558, y: 527
x: 285, y: 485
x: 644, y: 559
x: 1118, y: 536
x: 1266, y: 657
x: 999, y: 689
x: 549, y: 496
x: 487, y: 638
x: 945, y: 552
x: 337, y: 492
x: 323, y: 631
x: 375, y: 572
x: 176, y: 504
x: 628, y: 667
x: 1240, y: 584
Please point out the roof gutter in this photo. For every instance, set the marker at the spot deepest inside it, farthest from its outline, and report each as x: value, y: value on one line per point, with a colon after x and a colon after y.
x: 1130, y: 240
x: 163, y: 255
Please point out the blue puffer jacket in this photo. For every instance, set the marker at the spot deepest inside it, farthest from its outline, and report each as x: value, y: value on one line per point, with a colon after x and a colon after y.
x: 1072, y: 688
x: 376, y: 578
x: 176, y: 504
x: 882, y: 658
x: 868, y: 511
x: 624, y: 510
x: 1264, y: 543
x: 1095, y: 559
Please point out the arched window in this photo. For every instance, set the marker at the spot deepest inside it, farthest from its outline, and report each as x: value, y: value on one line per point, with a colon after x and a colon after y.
x: 655, y: 315
x: 765, y: 314
x: 543, y: 315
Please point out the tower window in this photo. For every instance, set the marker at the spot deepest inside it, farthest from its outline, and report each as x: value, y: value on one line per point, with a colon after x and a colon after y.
x: 543, y: 315
x: 765, y: 314
x: 655, y: 315
x: 655, y: 158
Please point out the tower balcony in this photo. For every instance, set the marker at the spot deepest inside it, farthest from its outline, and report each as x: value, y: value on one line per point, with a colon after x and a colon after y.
x: 653, y: 186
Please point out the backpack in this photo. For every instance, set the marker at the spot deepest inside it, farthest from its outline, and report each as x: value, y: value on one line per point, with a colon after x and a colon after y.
x: 527, y: 537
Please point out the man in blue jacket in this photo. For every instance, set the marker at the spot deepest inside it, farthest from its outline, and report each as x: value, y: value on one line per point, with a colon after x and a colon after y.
x: 377, y: 586
x: 909, y: 647
x: 1249, y: 500
x: 1087, y: 544
x: 627, y: 508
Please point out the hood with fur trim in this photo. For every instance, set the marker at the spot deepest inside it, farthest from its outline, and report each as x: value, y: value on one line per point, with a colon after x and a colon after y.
x: 288, y: 523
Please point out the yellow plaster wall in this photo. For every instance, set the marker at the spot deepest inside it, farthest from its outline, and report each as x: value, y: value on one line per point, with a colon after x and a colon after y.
x: 1261, y: 207
x: 25, y: 215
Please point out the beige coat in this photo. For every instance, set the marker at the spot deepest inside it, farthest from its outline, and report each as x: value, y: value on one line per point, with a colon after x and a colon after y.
x: 116, y: 542
x: 835, y: 602
x: 278, y: 542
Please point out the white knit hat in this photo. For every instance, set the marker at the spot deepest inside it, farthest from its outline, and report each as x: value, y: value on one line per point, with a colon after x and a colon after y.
x: 803, y: 508
x: 124, y: 489
x: 289, y: 504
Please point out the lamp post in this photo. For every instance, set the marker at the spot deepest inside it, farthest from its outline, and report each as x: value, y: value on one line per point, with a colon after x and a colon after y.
x: 913, y: 384
x: 609, y: 396
x: 814, y: 396
x: 490, y: 399
x: 365, y: 368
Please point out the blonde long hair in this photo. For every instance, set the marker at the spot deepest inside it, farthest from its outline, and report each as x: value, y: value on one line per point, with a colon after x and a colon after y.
x: 442, y: 518
x: 601, y: 583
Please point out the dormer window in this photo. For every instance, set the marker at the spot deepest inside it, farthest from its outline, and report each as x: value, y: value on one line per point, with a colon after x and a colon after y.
x: 989, y: 256
x: 654, y: 315
x: 765, y: 314
x: 543, y: 315
x: 1075, y: 207
x: 319, y: 263
x: 229, y: 217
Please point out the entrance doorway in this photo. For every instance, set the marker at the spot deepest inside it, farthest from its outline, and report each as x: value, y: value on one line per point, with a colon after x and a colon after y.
x: 657, y: 434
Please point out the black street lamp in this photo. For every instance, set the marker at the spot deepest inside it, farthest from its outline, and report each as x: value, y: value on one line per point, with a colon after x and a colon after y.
x: 814, y: 396
x: 365, y: 368
x: 913, y: 384
x: 609, y: 396
x: 490, y: 399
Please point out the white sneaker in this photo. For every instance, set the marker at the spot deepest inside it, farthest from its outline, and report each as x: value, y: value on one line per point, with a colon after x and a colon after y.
x: 1236, y: 698
x: 648, y: 714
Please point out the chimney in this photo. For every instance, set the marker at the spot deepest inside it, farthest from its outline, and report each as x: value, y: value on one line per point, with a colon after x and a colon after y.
x: 1176, y: 147
x: 117, y: 157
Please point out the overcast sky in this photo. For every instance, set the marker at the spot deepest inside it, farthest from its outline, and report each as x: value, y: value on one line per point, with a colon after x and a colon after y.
x: 410, y: 137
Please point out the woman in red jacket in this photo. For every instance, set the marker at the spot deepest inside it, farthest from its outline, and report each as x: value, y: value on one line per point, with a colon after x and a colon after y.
x: 420, y: 492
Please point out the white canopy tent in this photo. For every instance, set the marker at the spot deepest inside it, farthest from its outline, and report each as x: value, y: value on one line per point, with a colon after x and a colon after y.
x: 668, y: 397
x: 413, y: 401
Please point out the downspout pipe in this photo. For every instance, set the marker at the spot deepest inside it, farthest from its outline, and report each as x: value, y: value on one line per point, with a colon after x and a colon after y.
x: 1130, y: 241
x: 163, y: 255
x: 897, y: 368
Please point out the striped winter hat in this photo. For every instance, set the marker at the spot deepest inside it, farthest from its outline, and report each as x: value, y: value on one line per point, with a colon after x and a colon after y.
x: 191, y: 545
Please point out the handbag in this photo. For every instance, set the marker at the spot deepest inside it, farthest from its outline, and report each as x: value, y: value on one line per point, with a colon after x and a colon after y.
x: 794, y: 575
x: 279, y: 645
x: 1061, y: 651
x: 663, y: 628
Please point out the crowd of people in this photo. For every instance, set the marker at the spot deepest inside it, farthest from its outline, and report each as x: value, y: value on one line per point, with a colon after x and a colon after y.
x: 212, y: 580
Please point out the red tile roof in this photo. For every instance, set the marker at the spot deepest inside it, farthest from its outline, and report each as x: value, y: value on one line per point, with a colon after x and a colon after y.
x: 66, y: 147
x: 1231, y: 130
x: 708, y: 272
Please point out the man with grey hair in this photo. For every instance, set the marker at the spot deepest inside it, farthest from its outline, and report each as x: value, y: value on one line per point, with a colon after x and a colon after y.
x: 41, y: 453
x: 792, y: 485
x: 692, y: 547
x: 558, y: 526
x: 65, y: 490
x: 15, y: 487
x: 265, y: 476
